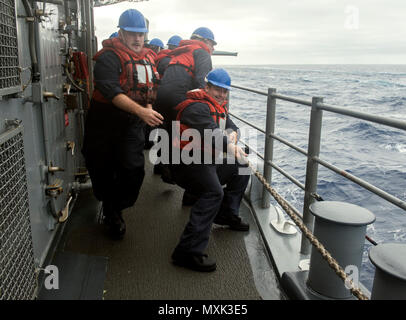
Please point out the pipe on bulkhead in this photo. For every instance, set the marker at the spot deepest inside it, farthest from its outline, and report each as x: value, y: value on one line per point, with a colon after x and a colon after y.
x: 39, y: 93
x: 88, y: 6
x: 31, y: 38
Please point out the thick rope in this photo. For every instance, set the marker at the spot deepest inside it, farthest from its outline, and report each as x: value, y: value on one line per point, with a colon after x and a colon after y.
x: 314, y: 241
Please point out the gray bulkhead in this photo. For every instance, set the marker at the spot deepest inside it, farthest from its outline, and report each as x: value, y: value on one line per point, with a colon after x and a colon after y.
x: 52, y: 130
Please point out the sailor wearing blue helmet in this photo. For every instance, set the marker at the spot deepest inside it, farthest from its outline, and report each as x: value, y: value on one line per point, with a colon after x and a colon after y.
x: 173, y: 42
x: 156, y: 45
x: 206, y: 35
x: 125, y: 84
x: 133, y: 27
x: 189, y: 64
x: 205, y: 109
x: 114, y: 35
x: 164, y: 57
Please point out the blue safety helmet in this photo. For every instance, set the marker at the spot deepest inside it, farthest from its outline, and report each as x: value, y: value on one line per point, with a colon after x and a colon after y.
x: 157, y: 42
x: 204, y: 33
x: 220, y: 78
x: 174, y: 40
x: 132, y: 20
x: 114, y: 35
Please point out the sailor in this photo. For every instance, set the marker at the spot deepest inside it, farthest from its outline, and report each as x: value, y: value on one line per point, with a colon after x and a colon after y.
x: 163, y: 58
x: 156, y: 45
x: 205, y: 109
x: 162, y: 61
x: 173, y: 42
x: 125, y: 88
x: 189, y: 65
x: 187, y: 69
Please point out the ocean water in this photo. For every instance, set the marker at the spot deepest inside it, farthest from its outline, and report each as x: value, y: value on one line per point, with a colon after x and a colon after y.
x: 372, y: 152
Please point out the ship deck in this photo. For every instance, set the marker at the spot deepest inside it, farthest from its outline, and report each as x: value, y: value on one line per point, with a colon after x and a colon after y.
x: 93, y: 266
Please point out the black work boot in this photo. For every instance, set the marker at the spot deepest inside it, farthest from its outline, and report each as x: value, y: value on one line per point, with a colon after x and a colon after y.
x: 196, y: 262
x: 188, y: 199
x: 233, y: 221
x: 116, y: 224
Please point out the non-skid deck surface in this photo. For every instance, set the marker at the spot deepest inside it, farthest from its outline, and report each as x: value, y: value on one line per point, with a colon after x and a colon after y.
x: 139, y: 266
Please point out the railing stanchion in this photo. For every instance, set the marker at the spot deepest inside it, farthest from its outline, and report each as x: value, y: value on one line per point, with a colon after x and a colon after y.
x: 311, y: 169
x: 268, y: 155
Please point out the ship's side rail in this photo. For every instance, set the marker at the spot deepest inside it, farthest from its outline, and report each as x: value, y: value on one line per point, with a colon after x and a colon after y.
x: 289, y: 262
x: 313, y: 151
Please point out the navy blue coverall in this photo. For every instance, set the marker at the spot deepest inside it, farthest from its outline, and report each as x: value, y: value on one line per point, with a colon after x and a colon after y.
x: 205, y: 181
x: 177, y: 81
x: 114, y: 141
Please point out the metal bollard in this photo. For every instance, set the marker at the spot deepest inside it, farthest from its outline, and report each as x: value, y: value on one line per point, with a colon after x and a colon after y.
x: 341, y: 228
x: 390, y: 274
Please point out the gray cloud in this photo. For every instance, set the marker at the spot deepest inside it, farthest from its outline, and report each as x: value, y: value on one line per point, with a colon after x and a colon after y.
x: 292, y: 31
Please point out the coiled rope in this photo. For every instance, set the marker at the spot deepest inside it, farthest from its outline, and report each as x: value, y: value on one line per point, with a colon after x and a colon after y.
x: 309, y: 235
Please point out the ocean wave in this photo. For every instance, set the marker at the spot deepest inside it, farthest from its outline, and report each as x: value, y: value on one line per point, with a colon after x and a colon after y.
x: 384, y: 84
x: 376, y: 133
x: 392, y: 101
x: 399, y: 104
x: 391, y: 74
x: 398, y: 234
x: 364, y: 128
x: 397, y: 147
x: 336, y: 190
x: 351, y: 80
x: 292, y: 93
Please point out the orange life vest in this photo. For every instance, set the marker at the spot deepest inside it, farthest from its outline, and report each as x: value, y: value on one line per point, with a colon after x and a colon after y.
x: 183, y: 55
x: 139, y: 77
x: 162, y: 54
x: 217, y: 111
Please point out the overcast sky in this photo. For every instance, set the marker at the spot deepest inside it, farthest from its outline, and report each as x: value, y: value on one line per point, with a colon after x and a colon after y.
x: 279, y: 31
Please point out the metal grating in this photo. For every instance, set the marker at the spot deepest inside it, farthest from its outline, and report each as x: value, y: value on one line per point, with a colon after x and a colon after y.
x: 9, y: 64
x: 17, y: 271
